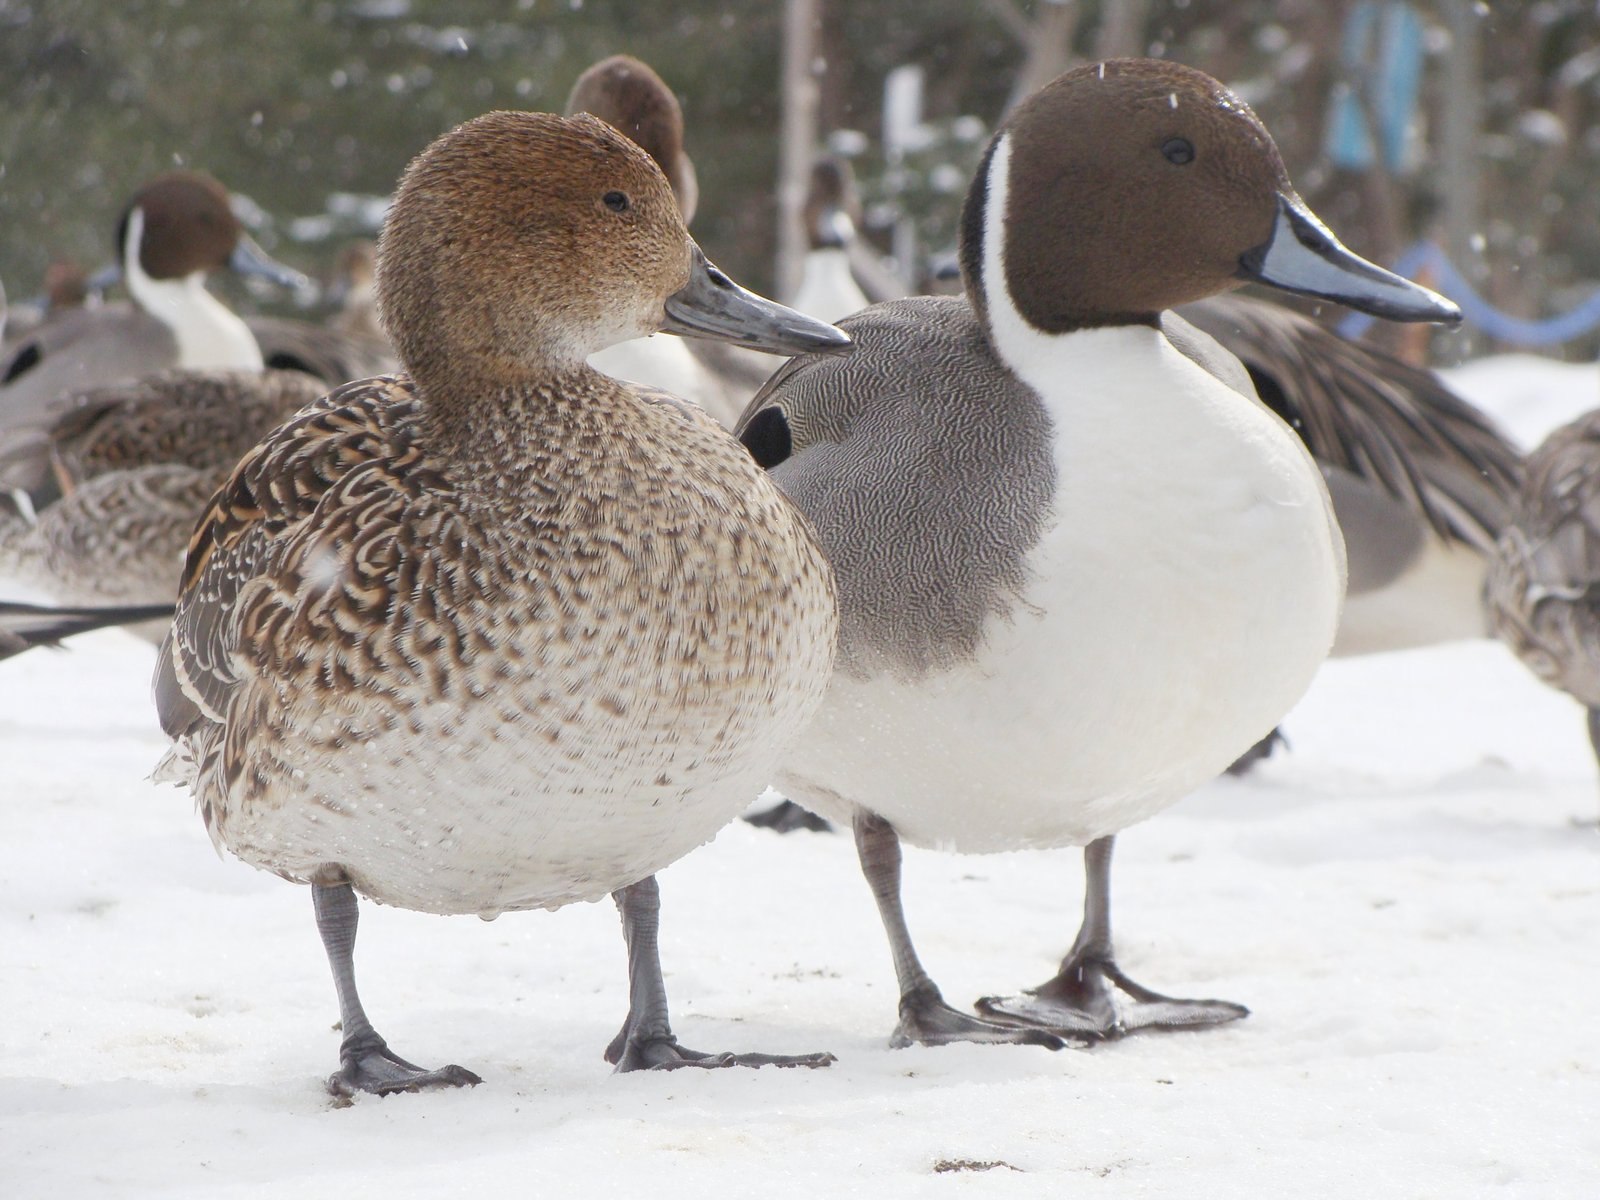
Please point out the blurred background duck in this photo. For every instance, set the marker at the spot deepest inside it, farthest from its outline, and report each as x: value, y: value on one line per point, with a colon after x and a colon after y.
x: 176, y: 229
x: 629, y: 96
x: 1544, y: 575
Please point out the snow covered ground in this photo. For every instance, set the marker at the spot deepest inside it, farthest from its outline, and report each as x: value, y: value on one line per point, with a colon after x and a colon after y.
x: 1408, y: 901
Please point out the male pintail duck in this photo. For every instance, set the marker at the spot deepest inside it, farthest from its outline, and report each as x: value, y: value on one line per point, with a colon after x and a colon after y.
x: 570, y: 613
x: 1079, y: 573
x: 828, y: 288
x: 129, y: 468
x: 176, y: 229
x: 1544, y: 577
x: 629, y: 96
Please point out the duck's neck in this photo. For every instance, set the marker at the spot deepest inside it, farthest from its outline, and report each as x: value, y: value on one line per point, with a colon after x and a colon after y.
x: 480, y: 414
x: 1067, y: 304
x: 207, y: 333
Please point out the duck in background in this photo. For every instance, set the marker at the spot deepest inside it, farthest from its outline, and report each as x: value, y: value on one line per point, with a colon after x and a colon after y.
x: 571, y: 610
x: 175, y: 230
x: 349, y: 344
x: 1079, y: 572
x: 629, y: 96
x: 828, y: 288
x: 1544, y: 576
x: 128, y: 469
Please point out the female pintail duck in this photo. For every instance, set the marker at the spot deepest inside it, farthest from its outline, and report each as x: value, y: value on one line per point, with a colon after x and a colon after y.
x: 629, y: 96
x: 570, y: 613
x: 176, y: 229
x: 128, y: 469
x: 1421, y: 481
x: 1542, y: 596
x: 1078, y: 572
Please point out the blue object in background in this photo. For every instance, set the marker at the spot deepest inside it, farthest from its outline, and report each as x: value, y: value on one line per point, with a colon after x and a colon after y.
x: 1476, y: 311
x: 1382, y: 57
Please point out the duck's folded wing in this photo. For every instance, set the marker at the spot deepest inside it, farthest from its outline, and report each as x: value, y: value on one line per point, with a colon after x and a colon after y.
x: 230, y: 569
x: 890, y: 478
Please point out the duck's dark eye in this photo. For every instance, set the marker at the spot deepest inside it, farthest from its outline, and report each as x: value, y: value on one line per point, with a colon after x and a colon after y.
x: 616, y: 201
x: 1179, y: 151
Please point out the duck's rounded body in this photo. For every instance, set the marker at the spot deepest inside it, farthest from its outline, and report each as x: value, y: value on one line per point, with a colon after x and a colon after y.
x: 130, y: 467
x: 1081, y: 567
x: 502, y: 632
x: 540, y: 683
x: 1172, y: 579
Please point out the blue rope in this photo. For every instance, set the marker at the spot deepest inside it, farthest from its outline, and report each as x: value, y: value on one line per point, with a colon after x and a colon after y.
x: 1477, y: 311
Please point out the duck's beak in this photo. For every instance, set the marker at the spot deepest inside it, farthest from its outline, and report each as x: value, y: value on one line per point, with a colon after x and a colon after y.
x: 713, y: 306
x: 248, y: 258
x: 1303, y: 256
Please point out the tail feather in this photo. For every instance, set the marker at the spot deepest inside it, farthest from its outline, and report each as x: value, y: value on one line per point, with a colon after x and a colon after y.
x: 26, y: 626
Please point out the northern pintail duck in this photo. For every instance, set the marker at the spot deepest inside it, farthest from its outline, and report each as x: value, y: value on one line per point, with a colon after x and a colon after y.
x: 128, y: 470
x: 828, y: 289
x: 1543, y: 586
x: 502, y: 632
x: 1421, y: 481
x: 175, y: 230
x: 629, y: 96
x: 1079, y: 573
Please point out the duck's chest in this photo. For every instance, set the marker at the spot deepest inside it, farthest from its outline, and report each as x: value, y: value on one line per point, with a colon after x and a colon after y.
x: 1181, y: 510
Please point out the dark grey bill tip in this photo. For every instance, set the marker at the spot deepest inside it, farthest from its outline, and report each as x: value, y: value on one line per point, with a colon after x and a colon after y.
x: 713, y: 306
x: 1304, y: 257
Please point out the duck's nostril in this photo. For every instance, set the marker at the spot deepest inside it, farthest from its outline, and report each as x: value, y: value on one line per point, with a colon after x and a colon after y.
x: 718, y: 278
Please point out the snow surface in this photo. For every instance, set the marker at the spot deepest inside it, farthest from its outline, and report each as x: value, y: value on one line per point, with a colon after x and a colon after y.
x: 1408, y: 900
x: 1529, y: 396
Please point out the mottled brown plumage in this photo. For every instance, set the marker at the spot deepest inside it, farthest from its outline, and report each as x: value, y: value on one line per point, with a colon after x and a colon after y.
x: 502, y: 632
x: 130, y: 467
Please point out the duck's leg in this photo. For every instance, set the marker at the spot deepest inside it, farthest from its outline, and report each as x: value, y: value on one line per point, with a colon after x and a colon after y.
x: 645, y: 1041
x: 366, y: 1064
x: 1082, y: 998
x: 924, y: 1015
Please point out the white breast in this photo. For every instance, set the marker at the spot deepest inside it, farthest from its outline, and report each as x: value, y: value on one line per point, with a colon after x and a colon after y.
x: 1182, y: 598
x: 209, y: 335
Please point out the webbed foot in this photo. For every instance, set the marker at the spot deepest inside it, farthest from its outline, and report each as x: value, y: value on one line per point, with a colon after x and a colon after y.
x: 927, y: 1020
x: 1083, y: 1000
x: 373, y: 1067
x: 788, y: 817
x: 662, y: 1052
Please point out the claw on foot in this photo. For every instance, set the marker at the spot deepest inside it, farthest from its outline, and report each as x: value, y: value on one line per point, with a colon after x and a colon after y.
x: 927, y: 1020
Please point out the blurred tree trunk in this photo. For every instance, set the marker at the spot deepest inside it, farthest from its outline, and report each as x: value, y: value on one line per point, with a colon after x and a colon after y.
x: 1045, y: 38
x: 797, y: 139
x: 1121, y: 32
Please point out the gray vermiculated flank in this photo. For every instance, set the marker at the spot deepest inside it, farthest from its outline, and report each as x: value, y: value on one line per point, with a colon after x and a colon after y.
x: 926, y: 470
